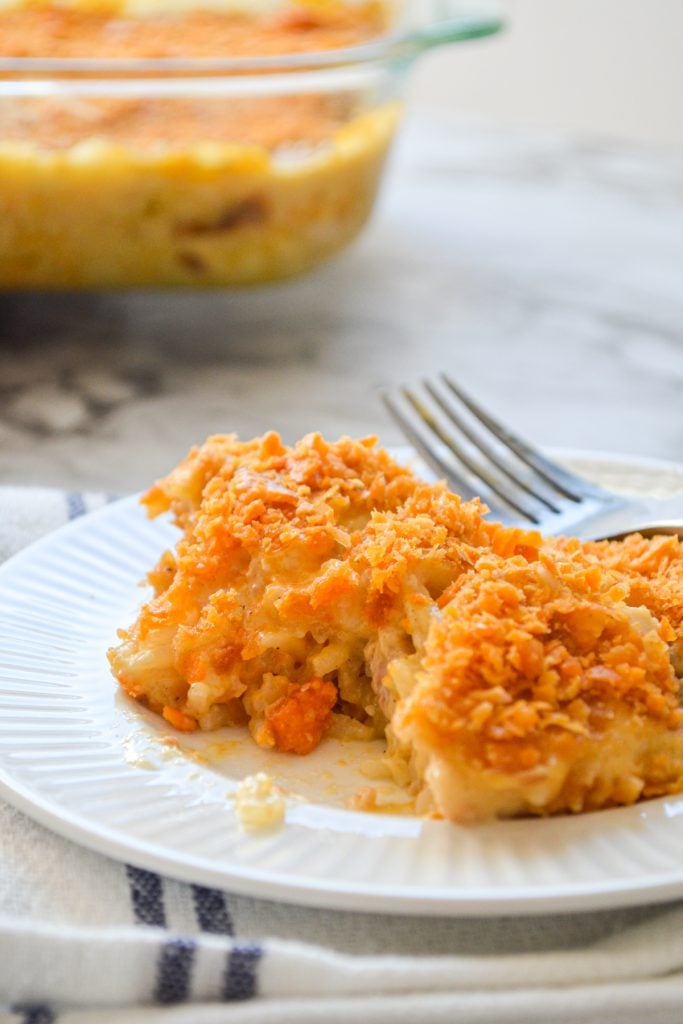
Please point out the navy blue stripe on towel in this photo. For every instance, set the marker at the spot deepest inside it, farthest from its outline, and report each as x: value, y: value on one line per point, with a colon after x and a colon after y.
x: 34, y: 1013
x: 174, y: 971
x: 211, y: 910
x: 146, y: 896
x: 75, y: 504
x: 241, y: 977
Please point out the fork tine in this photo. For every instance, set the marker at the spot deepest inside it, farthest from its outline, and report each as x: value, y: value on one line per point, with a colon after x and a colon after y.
x: 568, y: 484
x: 485, y: 448
x: 441, y: 468
x: 477, y: 470
x: 502, y: 500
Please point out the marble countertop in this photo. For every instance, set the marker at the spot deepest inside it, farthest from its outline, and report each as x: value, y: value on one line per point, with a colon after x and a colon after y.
x: 546, y: 275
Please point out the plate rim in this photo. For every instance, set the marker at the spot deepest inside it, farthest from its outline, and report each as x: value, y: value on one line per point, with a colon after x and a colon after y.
x: 357, y: 896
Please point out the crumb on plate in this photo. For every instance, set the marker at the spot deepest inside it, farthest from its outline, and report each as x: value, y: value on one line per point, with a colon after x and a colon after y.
x: 259, y: 803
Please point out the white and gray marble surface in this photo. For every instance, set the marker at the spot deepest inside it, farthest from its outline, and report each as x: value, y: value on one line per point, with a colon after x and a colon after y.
x: 547, y: 275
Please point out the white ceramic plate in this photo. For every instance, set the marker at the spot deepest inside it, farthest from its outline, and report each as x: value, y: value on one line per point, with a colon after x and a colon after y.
x: 78, y: 757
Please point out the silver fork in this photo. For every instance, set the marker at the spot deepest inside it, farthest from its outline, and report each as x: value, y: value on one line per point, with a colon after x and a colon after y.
x: 478, y: 455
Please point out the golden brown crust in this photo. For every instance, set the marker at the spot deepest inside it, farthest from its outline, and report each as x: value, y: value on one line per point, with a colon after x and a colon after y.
x: 272, y: 579
x: 519, y: 675
x: 108, y: 31
x: 532, y: 664
x: 652, y: 571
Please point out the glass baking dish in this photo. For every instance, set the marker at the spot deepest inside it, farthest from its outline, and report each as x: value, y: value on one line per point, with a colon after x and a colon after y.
x: 250, y: 169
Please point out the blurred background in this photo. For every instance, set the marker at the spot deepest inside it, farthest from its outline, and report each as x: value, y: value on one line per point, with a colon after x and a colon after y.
x: 608, y: 69
x: 529, y: 239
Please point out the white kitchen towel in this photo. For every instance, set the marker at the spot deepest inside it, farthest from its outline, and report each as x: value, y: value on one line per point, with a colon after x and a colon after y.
x: 86, y: 940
